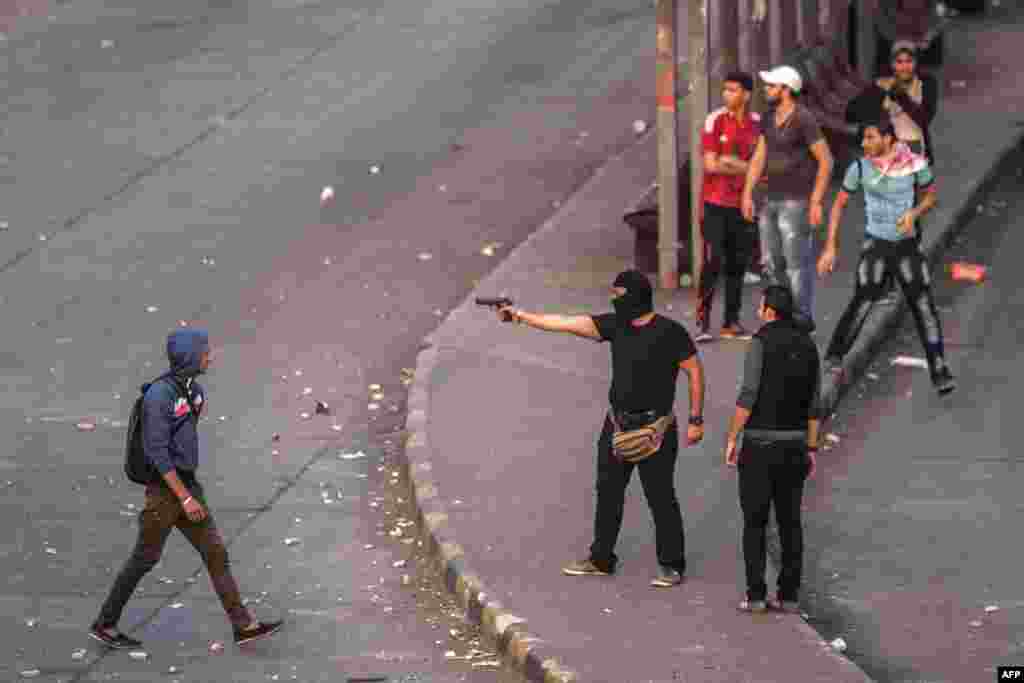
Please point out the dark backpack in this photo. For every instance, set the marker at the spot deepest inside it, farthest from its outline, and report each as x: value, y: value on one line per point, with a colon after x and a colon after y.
x: 136, y: 465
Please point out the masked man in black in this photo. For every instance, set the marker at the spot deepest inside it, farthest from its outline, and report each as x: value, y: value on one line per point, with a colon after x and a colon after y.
x: 647, y: 352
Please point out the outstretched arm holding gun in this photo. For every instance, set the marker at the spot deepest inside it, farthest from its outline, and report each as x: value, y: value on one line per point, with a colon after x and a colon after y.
x: 579, y: 325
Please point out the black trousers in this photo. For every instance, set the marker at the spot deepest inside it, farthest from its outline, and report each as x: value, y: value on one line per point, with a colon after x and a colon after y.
x: 772, y: 473
x: 882, y: 261
x: 657, y: 477
x: 728, y: 247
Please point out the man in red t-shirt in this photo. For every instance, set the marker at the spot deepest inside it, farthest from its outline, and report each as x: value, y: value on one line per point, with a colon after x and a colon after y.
x: 728, y: 140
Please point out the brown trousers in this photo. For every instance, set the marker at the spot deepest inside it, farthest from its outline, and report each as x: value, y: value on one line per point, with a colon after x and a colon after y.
x: 161, y: 514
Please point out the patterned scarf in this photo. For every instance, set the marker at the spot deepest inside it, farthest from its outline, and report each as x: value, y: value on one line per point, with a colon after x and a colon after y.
x: 902, y: 163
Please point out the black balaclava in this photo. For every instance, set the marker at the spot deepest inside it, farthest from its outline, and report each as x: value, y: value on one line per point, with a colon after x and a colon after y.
x: 638, y: 299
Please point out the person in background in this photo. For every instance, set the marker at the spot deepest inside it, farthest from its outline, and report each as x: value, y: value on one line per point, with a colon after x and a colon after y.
x: 795, y: 162
x: 908, y: 98
x: 898, y: 189
x: 728, y: 140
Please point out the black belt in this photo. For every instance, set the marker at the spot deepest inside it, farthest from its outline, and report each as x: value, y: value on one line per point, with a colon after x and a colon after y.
x: 633, y: 419
x: 775, y: 434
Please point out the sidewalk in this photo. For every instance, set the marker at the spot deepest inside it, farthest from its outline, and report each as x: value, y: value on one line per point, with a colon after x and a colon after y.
x: 506, y: 486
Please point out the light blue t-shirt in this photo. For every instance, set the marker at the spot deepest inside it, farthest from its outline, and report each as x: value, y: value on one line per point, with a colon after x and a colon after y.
x: 886, y: 196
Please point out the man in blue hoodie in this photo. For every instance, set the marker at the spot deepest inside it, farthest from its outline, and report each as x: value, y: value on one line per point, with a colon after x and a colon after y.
x: 171, y: 407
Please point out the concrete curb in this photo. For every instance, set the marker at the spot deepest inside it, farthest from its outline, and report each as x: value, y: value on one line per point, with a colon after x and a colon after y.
x: 510, y: 632
x: 517, y: 645
x: 876, y: 329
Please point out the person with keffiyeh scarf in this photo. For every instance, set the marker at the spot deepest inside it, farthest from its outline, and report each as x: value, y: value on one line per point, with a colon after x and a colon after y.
x: 898, y: 188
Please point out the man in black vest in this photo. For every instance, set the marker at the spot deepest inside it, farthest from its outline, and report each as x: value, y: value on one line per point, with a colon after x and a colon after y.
x: 777, y: 411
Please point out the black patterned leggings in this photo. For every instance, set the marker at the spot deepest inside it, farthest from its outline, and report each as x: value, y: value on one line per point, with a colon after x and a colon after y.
x: 880, y: 262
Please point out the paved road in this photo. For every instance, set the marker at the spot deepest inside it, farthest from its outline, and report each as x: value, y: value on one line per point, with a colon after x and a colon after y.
x: 164, y: 163
x: 915, y: 529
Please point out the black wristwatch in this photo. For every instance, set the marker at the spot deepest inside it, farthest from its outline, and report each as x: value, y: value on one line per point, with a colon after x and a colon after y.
x: 697, y: 420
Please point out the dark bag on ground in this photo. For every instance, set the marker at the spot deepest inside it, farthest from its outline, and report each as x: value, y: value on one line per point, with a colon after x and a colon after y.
x: 638, y: 436
x: 137, y: 467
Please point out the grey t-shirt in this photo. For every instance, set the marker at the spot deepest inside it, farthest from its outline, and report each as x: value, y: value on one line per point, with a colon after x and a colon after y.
x: 790, y: 168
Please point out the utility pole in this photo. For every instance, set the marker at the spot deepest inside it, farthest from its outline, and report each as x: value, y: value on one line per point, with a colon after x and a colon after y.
x: 697, y: 34
x: 668, y: 151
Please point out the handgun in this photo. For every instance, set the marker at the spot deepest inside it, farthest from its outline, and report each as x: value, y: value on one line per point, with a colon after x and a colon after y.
x: 496, y: 303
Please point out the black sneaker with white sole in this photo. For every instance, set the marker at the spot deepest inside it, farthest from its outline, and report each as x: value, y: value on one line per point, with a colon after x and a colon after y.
x: 111, y: 637
x: 262, y: 629
x: 753, y: 606
x: 944, y: 382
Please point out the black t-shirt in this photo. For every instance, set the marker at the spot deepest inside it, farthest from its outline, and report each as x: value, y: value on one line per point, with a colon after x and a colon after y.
x: 645, y: 361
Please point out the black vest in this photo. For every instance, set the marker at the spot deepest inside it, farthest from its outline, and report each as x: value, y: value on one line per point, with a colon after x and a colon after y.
x: 789, y: 373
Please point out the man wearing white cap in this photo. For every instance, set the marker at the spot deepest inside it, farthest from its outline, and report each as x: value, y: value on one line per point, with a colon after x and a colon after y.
x: 791, y: 169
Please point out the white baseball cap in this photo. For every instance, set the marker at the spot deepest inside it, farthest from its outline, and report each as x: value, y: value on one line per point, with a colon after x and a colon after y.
x: 783, y: 75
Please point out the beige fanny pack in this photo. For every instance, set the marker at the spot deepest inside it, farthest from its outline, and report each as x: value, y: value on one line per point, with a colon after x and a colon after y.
x: 640, y: 443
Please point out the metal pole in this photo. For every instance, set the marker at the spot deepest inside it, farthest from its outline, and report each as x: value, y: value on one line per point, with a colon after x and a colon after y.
x: 697, y: 34
x: 866, y: 45
x: 668, y: 153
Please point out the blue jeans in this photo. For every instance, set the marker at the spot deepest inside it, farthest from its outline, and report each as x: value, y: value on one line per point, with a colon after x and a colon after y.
x: 787, y: 242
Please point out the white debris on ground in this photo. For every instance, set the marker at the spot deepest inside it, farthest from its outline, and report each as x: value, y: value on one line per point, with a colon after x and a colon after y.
x: 910, y: 362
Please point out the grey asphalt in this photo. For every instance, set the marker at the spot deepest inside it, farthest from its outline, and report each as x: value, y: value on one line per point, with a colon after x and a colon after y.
x: 919, y: 522
x: 503, y: 422
x: 164, y: 164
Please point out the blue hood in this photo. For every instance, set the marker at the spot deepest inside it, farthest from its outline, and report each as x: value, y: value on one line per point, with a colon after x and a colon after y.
x: 184, y: 347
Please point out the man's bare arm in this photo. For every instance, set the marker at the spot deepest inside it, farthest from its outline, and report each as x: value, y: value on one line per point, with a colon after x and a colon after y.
x: 823, y: 155
x: 694, y: 369
x: 579, y: 325
x: 739, y: 421
x: 929, y: 200
x: 836, y: 217
x: 756, y: 166
x: 724, y: 165
x: 176, y: 485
